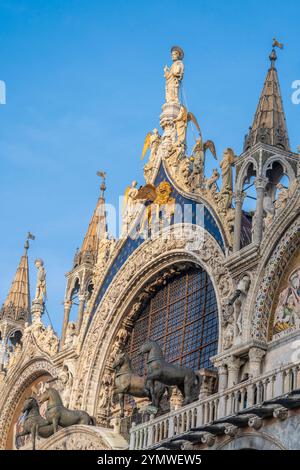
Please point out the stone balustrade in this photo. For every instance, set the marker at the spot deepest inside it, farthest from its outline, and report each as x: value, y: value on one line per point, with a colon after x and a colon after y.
x: 219, y: 405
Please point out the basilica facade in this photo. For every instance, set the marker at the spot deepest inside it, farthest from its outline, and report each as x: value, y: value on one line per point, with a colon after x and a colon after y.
x: 207, y: 286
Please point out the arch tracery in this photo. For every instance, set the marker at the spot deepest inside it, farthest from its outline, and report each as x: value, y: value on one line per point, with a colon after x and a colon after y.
x: 125, y: 294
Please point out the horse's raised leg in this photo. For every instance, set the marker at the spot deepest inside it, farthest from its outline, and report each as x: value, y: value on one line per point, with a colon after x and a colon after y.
x: 121, y: 402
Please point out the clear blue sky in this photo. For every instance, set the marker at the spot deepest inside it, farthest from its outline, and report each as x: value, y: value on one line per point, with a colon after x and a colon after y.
x: 85, y: 84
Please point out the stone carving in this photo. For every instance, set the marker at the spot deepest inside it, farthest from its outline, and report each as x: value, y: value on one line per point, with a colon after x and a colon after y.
x: 287, y: 314
x: 234, y: 311
x: 71, y: 335
x: 40, y: 292
x: 282, y: 199
x: 152, y: 141
x: 174, y: 75
x: 130, y: 203
x: 179, y: 239
x: 158, y: 370
x: 66, y: 378
x: 14, y: 357
x: 275, y: 266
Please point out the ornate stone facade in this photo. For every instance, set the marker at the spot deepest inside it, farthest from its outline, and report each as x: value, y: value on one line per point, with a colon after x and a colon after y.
x: 251, y: 259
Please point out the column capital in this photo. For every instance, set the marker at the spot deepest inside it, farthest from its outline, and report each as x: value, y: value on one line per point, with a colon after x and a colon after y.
x: 260, y: 182
x: 239, y: 196
x: 256, y: 354
x: 233, y: 363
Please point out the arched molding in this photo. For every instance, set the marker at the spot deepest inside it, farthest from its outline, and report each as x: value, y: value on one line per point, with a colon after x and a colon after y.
x: 287, y: 168
x: 252, y: 441
x: 82, y: 437
x: 243, y: 172
x: 122, y: 298
x: 275, y: 259
x: 12, y: 391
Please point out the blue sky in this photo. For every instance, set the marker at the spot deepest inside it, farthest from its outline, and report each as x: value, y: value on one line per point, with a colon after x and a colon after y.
x: 84, y: 86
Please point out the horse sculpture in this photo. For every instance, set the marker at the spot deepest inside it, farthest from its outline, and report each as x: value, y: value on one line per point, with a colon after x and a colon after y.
x: 129, y: 383
x: 58, y: 415
x: 34, y: 424
x: 158, y: 370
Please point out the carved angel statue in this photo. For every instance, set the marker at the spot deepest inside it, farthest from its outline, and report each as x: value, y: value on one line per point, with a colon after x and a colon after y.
x: 152, y: 141
x: 174, y: 75
x: 198, y: 156
x: 282, y: 199
x: 181, y: 122
x: 40, y: 292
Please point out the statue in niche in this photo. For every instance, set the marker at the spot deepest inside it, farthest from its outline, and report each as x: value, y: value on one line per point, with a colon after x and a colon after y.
x: 287, y: 314
x: 282, y: 199
x: 174, y: 75
x: 227, y: 184
x: 233, y: 315
x: 40, y: 292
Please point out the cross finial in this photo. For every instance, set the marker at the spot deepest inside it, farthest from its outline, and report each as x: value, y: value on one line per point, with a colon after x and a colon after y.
x: 102, y: 175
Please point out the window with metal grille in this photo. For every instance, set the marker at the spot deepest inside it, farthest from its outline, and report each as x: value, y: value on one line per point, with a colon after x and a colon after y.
x: 183, y: 318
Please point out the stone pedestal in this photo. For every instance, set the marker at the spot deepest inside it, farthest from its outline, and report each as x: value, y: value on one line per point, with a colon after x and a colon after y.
x: 169, y: 114
x: 37, y: 311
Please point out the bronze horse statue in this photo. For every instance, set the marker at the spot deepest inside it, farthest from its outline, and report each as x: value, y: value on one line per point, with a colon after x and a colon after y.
x: 58, y: 415
x: 129, y: 383
x: 158, y: 370
x: 34, y: 424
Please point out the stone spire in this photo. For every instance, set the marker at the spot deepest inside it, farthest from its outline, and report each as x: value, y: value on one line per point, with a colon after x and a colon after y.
x: 97, y: 228
x: 269, y: 125
x: 17, y: 304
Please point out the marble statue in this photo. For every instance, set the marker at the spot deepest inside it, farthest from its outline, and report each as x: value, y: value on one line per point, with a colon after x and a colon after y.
x: 181, y: 123
x: 40, y: 292
x: 287, y: 314
x: 174, y: 75
x: 130, y: 202
x: 282, y: 199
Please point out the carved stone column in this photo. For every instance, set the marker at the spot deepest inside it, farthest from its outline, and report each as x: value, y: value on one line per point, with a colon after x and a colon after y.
x: 255, y: 358
x: 81, y: 298
x: 233, y: 366
x: 239, y: 199
x: 260, y: 185
x: 68, y: 305
x: 222, y: 374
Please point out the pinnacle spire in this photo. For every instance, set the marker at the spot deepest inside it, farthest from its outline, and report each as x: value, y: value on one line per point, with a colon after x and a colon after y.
x: 97, y: 228
x: 17, y: 304
x: 269, y: 124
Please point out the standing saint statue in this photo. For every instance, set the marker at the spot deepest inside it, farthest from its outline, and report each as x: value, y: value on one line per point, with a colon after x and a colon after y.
x: 226, y: 167
x: 40, y: 292
x: 174, y: 75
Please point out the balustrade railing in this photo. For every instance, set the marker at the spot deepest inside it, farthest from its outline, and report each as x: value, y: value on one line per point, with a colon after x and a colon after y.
x: 222, y: 404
